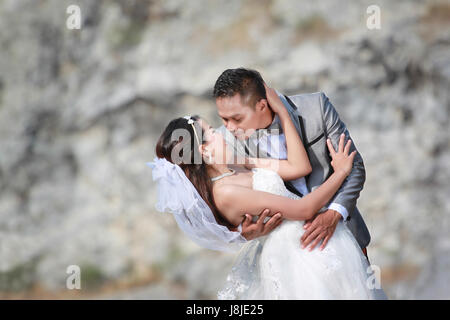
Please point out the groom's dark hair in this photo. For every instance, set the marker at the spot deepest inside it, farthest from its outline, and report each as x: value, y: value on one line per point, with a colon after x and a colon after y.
x: 247, y: 82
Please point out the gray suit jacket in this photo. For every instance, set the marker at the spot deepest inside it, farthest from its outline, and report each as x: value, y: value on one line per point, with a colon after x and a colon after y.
x: 316, y: 120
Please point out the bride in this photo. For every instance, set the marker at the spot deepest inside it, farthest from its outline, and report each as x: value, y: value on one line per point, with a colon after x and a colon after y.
x: 210, y: 193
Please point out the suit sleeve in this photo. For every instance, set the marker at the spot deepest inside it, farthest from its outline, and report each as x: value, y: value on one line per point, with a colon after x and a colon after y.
x: 348, y: 193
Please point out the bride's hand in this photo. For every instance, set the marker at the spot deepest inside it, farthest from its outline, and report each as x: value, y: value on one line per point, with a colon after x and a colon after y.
x: 341, y: 160
x: 274, y: 100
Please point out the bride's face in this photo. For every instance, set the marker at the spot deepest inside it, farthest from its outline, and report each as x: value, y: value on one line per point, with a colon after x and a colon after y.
x: 214, y: 144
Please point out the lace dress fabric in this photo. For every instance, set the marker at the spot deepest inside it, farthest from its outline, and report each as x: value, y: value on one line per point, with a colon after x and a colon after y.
x: 276, y: 267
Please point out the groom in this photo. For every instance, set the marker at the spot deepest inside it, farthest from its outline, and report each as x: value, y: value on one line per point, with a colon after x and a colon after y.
x: 241, y: 103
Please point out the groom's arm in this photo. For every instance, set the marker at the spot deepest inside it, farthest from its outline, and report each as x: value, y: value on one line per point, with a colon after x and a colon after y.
x: 322, y: 227
x: 345, y: 199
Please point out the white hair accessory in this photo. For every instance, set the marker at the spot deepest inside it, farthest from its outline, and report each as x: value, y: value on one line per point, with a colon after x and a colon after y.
x: 191, y: 122
x: 189, y: 119
x: 177, y: 195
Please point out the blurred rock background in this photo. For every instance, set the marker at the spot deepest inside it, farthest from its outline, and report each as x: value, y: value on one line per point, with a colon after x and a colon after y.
x: 80, y: 112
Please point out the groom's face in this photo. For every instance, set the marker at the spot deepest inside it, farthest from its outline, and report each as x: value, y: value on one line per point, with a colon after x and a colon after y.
x: 238, y: 116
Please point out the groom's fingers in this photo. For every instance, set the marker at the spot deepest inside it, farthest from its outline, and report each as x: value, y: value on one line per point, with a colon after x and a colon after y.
x: 310, y: 237
x: 247, y: 221
x: 274, y: 222
x: 308, y: 231
x: 325, y: 241
x: 261, y: 219
x: 316, y: 242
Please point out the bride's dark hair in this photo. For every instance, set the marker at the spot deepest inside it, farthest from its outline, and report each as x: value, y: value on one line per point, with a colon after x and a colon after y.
x: 196, y: 172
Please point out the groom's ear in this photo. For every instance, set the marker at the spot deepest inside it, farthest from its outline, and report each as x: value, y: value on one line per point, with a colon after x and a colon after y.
x: 261, y: 105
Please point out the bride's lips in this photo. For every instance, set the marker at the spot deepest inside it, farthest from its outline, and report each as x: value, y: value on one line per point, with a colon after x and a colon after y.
x: 240, y: 136
x: 243, y: 134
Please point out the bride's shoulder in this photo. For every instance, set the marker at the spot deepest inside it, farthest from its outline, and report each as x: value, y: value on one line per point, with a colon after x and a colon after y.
x: 226, y: 193
x: 226, y: 189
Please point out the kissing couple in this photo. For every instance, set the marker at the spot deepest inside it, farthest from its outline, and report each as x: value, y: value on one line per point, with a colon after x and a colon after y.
x: 278, y: 179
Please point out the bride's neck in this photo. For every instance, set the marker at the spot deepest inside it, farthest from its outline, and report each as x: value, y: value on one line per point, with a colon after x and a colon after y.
x: 217, y: 169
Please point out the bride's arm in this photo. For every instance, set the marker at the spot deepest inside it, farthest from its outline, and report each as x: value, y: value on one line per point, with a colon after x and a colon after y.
x: 235, y: 201
x: 297, y: 164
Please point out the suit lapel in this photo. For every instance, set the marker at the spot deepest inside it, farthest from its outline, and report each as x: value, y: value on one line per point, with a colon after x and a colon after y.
x: 300, y: 123
x: 301, y: 132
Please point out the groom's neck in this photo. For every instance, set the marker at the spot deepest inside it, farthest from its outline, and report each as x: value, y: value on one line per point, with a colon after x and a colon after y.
x: 270, y: 118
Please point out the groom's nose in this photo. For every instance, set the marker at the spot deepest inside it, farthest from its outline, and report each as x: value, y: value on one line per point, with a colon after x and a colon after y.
x: 231, y: 127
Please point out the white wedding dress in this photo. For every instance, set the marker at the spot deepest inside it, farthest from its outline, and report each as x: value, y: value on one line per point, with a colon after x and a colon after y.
x: 276, y: 267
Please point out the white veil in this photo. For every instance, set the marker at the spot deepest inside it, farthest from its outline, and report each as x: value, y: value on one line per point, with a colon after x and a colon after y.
x: 177, y: 195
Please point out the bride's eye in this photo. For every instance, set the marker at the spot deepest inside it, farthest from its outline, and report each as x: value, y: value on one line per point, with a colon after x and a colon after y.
x: 206, y: 138
x: 211, y: 131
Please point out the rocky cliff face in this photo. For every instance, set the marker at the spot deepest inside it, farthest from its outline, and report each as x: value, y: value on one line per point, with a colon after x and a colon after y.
x: 80, y: 112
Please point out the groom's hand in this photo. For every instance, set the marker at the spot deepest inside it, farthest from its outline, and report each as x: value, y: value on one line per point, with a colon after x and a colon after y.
x: 252, y: 230
x: 320, y: 228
